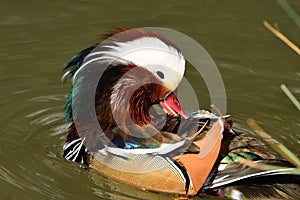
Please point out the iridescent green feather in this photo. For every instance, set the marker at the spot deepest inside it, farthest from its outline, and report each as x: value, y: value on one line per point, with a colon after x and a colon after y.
x: 71, y: 67
x: 68, y: 114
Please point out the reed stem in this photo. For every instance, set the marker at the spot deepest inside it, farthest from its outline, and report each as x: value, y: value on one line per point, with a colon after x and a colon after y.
x: 290, y: 96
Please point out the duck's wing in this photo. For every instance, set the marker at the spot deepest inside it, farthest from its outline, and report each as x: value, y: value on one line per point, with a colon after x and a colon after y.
x: 267, y: 179
x: 249, y: 170
x: 263, y: 171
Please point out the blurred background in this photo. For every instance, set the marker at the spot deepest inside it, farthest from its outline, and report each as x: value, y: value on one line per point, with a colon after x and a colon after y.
x: 37, y: 37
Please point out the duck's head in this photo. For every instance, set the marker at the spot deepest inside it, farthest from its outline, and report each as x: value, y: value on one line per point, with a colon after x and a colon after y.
x: 145, y: 70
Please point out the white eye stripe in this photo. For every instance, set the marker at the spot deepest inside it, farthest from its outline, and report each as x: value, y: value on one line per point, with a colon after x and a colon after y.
x: 148, y: 52
x: 154, y: 55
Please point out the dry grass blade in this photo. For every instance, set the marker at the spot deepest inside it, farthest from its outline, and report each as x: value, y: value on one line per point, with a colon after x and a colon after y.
x: 277, y: 146
x: 262, y: 166
x: 282, y: 37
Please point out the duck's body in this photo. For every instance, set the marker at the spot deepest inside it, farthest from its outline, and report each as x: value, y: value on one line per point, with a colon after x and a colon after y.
x: 141, y: 69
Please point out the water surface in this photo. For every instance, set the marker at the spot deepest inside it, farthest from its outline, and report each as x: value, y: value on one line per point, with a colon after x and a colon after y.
x: 37, y: 37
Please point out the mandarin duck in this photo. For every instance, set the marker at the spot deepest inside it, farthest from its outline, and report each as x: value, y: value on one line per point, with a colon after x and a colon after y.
x: 162, y: 149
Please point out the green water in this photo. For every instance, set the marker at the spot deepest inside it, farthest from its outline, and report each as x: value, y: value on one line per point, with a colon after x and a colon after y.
x: 37, y: 37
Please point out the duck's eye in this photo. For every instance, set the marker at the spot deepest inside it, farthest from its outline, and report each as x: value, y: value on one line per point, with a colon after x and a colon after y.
x: 160, y: 74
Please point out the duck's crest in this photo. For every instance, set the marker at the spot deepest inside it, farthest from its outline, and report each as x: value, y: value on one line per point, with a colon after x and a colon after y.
x: 72, y: 65
x: 142, y: 48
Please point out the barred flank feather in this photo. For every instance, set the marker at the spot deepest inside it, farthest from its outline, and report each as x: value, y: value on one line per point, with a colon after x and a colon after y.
x: 74, y: 150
